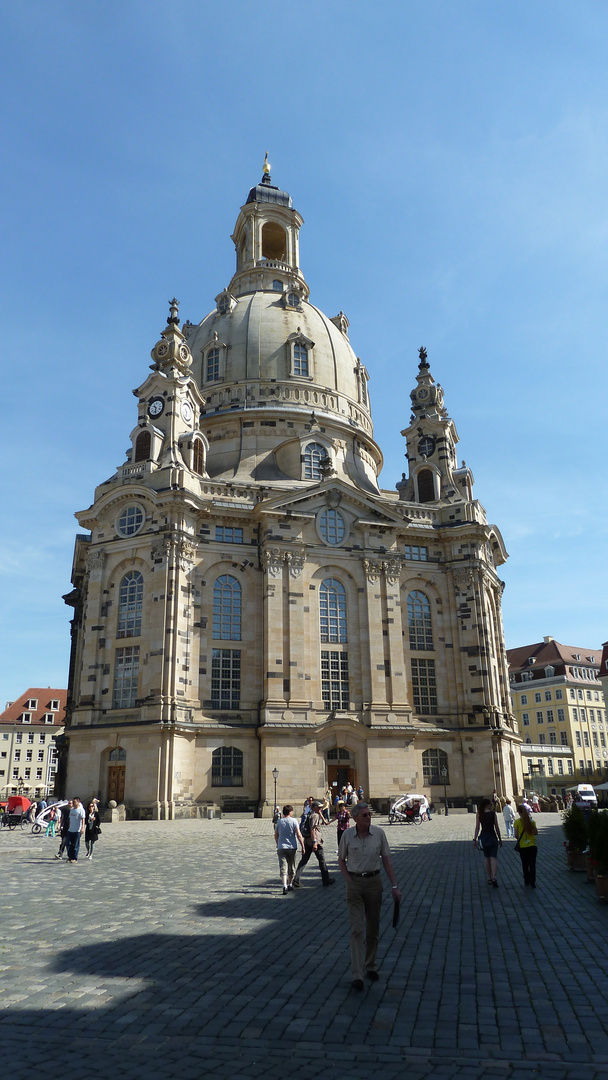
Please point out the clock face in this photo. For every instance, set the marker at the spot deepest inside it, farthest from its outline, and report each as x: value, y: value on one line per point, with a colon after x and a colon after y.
x: 156, y: 406
x: 186, y: 412
x: 422, y: 394
x: 162, y: 350
x: 184, y: 352
x: 426, y: 446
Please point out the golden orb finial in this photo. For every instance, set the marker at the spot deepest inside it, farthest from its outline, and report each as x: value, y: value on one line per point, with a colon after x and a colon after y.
x: 266, y: 169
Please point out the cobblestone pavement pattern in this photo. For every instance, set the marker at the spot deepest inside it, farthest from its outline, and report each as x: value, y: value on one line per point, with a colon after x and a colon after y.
x: 173, y: 953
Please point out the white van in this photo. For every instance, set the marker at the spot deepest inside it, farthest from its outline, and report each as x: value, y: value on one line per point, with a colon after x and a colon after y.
x: 584, y: 795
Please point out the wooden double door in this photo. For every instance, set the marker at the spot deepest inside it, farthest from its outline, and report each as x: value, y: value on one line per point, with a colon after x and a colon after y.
x: 116, y: 783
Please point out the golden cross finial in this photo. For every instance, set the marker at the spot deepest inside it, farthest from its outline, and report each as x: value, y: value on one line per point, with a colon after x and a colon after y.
x: 266, y: 169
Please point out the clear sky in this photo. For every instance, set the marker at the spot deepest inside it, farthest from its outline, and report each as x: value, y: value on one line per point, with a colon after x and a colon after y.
x: 451, y: 163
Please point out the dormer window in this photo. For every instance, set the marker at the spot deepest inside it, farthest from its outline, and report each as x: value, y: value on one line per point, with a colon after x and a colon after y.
x: 225, y: 302
x: 292, y: 299
x: 300, y: 360
x: 314, y: 456
x: 212, y: 365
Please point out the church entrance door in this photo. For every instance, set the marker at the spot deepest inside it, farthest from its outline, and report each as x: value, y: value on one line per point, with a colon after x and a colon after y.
x: 116, y: 783
x: 338, y: 776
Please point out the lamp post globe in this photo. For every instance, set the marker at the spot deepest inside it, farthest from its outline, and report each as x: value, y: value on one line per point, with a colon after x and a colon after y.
x: 275, y: 777
x: 444, y: 777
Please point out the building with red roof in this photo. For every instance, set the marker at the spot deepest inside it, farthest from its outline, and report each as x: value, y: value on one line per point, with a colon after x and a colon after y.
x: 29, y: 727
x: 558, y: 700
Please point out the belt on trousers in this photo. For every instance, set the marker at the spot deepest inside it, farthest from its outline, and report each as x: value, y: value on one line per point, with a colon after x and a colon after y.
x: 368, y: 873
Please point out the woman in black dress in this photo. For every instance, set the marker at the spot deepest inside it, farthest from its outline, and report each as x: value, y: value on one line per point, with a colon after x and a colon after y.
x: 92, y: 829
x: 486, y: 827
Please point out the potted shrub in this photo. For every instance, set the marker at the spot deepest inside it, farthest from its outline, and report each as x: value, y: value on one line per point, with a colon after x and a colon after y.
x: 576, y: 838
x: 598, y: 844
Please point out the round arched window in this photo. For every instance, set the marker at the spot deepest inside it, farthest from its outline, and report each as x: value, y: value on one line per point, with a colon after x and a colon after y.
x: 332, y: 526
x: 130, y: 520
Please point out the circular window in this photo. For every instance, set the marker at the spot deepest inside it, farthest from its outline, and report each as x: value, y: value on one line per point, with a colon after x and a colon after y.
x: 332, y: 526
x: 293, y: 299
x: 426, y: 446
x: 130, y: 520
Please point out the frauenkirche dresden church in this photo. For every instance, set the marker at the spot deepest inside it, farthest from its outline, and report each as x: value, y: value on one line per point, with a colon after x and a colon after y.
x: 247, y: 599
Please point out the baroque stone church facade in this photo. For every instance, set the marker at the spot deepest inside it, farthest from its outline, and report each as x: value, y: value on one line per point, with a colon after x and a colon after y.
x: 247, y: 599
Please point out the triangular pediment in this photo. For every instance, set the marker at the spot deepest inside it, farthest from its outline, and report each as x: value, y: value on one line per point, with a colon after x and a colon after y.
x: 334, y: 492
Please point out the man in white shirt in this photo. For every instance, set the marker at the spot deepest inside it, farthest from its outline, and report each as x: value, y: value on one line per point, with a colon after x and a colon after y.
x: 362, y: 848
x: 75, y: 829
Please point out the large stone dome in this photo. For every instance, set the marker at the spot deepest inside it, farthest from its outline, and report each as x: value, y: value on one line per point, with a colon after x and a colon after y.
x: 266, y: 357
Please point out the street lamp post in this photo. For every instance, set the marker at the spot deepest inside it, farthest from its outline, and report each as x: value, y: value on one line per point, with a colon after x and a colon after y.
x: 444, y: 777
x: 275, y: 777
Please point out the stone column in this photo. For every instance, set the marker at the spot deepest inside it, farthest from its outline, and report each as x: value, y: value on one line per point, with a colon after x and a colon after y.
x: 298, y: 643
x: 394, y: 626
x: 374, y: 678
x: 273, y: 564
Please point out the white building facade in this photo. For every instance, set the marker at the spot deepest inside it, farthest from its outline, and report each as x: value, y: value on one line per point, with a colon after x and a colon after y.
x: 247, y: 598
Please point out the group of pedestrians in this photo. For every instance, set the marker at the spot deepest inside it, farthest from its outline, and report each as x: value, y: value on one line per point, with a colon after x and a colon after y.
x: 523, y: 830
x: 76, y: 822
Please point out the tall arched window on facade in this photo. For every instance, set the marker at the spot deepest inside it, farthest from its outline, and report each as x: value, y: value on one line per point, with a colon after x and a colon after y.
x: 426, y: 486
x: 433, y: 764
x: 332, y: 610
x: 130, y: 599
x: 335, y: 690
x: 227, y: 767
x: 419, y: 621
x: 198, y: 457
x: 314, y: 455
x: 227, y: 609
x: 142, y: 446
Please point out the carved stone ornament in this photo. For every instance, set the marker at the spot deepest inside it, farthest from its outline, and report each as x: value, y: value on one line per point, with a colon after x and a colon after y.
x: 186, y: 553
x: 295, y: 561
x: 392, y: 569
x: 372, y: 569
x: 272, y: 561
x: 95, y: 564
x: 334, y: 497
x: 463, y: 578
x: 161, y: 549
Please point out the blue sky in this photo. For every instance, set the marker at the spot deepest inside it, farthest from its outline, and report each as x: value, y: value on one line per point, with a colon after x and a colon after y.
x: 451, y: 164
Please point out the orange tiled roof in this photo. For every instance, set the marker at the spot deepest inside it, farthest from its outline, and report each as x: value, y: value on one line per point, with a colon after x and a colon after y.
x: 43, y: 695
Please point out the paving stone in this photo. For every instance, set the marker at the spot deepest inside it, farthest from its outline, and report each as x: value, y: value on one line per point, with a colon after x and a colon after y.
x: 181, y: 957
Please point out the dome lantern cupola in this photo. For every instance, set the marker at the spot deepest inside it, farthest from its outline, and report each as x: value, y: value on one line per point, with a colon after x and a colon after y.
x: 266, y: 238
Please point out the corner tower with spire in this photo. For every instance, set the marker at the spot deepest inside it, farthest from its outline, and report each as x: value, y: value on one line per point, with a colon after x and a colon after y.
x: 247, y: 597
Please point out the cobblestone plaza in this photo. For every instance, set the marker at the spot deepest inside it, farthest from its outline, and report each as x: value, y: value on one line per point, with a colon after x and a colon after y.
x: 174, y: 954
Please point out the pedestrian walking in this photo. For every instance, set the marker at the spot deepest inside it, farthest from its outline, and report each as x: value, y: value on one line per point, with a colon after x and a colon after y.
x: 92, y: 829
x: 486, y: 827
x: 52, y: 821
x: 526, y: 832
x: 343, y: 820
x: 75, y: 829
x: 362, y: 849
x: 313, y: 845
x: 287, y: 836
x: 63, y: 827
x: 509, y: 816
